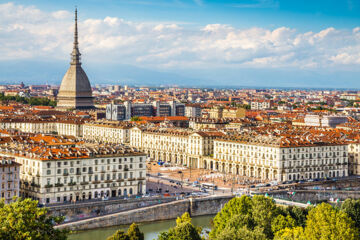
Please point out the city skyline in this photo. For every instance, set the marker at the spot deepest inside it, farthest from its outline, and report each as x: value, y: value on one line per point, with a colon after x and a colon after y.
x: 236, y: 43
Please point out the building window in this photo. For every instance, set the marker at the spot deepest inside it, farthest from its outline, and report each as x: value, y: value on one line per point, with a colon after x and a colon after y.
x: 48, y: 165
x: 48, y: 172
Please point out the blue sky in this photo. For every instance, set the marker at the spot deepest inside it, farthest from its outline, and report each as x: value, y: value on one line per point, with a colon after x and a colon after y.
x: 309, y: 15
x: 287, y: 43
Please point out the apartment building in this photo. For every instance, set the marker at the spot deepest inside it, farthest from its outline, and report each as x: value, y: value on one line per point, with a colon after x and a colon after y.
x: 178, y: 146
x: 193, y: 110
x: 354, y: 158
x: 9, y: 179
x: 280, y: 158
x: 324, y: 120
x: 260, y: 105
x: 55, y: 170
x: 107, y: 131
x: 128, y: 109
x: 71, y: 127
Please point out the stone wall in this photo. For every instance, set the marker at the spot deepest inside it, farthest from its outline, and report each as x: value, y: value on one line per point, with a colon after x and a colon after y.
x: 315, y: 195
x: 78, y: 211
x: 171, y: 210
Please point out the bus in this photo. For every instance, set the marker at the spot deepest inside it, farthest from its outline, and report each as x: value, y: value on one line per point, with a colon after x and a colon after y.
x: 209, y: 186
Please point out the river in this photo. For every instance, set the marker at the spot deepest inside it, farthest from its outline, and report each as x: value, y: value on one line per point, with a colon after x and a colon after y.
x: 150, y: 230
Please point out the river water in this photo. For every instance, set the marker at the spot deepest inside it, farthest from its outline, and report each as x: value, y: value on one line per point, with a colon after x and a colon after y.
x: 150, y: 230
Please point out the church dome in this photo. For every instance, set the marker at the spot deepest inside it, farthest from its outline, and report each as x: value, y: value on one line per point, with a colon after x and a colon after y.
x: 75, y: 89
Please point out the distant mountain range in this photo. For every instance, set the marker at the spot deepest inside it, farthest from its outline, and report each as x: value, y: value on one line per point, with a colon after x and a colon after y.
x: 51, y: 72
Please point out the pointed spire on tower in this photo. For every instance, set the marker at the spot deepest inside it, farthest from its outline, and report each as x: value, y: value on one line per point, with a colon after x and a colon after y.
x: 75, y: 55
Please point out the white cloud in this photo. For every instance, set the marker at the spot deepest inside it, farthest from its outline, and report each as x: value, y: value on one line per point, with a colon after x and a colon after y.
x: 27, y: 32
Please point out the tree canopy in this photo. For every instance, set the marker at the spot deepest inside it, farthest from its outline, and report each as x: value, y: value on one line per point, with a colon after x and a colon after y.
x: 352, y: 208
x: 259, y: 218
x: 33, y: 101
x: 248, y: 214
x: 23, y: 220
x: 184, y: 230
x: 133, y: 233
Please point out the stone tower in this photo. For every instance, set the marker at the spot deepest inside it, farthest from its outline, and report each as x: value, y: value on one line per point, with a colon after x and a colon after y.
x: 75, y: 90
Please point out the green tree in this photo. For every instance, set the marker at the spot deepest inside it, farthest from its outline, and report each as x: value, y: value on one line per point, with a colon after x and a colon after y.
x: 23, y: 220
x: 243, y: 233
x: 236, y: 207
x: 352, y: 208
x: 281, y: 222
x: 184, y: 230
x: 325, y: 222
x: 135, y: 119
x: 184, y: 218
x: 253, y: 213
x: 263, y: 212
x: 298, y: 214
x: 134, y: 232
x: 119, y: 235
x: 296, y: 233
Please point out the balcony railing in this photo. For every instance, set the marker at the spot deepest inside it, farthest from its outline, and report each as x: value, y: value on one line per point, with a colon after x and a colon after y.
x: 71, y: 183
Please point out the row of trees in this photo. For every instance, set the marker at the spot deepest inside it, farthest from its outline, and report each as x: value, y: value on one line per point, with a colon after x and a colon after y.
x: 259, y: 218
x: 244, y: 218
x: 33, y: 101
x: 133, y: 233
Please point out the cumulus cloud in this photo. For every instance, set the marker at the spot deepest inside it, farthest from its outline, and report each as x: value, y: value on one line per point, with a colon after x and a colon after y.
x: 27, y: 32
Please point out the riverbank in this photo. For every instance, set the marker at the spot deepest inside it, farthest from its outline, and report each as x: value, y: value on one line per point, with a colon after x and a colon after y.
x: 195, y: 206
x: 150, y: 230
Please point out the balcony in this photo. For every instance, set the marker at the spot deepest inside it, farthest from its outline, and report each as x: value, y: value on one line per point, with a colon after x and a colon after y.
x: 35, y: 185
x: 90, y: 172
x: 48, y: 186
x: 59, y: 185
x: 65, y: 174
x: 71, y: 183
x: 95, y: 182
x: 120, y: 180
x: 131, y: 179
x: 108, y: 181
x: 141, y: 178
x: 126, y: 169
x: 84, y: 183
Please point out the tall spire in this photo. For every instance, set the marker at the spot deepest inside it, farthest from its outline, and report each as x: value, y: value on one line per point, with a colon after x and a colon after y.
x: 75, y: 55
